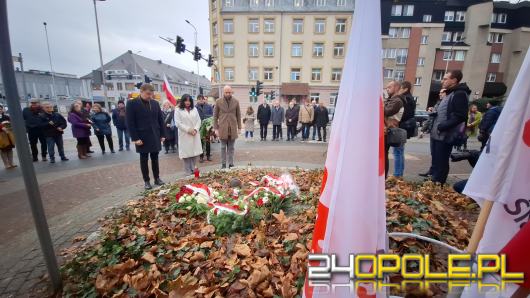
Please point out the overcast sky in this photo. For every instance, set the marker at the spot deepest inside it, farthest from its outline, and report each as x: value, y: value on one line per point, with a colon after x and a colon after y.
x: 124, y: 25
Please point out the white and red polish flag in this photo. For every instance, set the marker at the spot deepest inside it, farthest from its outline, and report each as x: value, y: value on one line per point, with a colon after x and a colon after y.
x: 351, y: 215
x: 169, y: 93
x: 502, y: 175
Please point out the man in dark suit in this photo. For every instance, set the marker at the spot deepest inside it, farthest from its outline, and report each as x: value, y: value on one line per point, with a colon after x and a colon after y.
x: 146, y: 127
x: 264, y: 117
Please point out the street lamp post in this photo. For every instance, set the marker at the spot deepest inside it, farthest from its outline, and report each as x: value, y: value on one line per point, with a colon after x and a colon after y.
x: 101, y: 58
x: 51, y: 65
x: 135, y: 71
x: 198, y: 78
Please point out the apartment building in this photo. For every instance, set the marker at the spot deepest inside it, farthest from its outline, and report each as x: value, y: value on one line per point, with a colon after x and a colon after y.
x: 423, y: 38
x: 295, y: 47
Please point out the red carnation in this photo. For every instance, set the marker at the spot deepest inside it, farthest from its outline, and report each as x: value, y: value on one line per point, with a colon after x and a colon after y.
x: 259, y: 202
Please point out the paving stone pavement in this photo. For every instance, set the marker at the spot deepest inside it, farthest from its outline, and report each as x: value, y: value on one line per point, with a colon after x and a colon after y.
x: 73, y: 203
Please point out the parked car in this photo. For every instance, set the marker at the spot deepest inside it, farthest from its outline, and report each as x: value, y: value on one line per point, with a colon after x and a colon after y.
x: 421, y: 116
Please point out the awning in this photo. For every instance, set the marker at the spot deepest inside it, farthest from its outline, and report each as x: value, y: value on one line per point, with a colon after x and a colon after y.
x: 295, y: 89
x: 494, y: 89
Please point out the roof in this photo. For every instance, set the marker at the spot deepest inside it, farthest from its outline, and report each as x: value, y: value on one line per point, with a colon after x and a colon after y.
x: 295, y: 89
x: 508, y: 5
x: 155, y: 69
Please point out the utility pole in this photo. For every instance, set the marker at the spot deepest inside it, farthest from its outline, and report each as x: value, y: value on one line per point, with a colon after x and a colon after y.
x: 198, y: 77
x: 104, y: 87
x: 54, y: 89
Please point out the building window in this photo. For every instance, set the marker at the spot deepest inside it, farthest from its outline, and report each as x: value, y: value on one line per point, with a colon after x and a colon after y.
x: 315, y: 97
x: 388, y: 73
x: 269, y: 26
x: 229, y: 74
x: 338, y: 50
x: 446, y: 36
x: 501, y: 19
x: 298, y: 26
x: 408, y: 10
x: 340, y: 26
x: 267, y: 74
x: 298, y: 3
x: 336, y: 74
x: 438, y: 75
x: 399, y: 75
x: 460, y: 55
x: 269, y: 3
x: 396, y: 32
x: 460, y: 16
x: 320, y: 3
x: 318, y: 50
x: 417, y: 82
x: 253, y: 25
x: 401, y: 56
x: 421, y: 61
x: 449, y: 16
x: 269, y: 50
x: 316, y: 74
x: 495, y: 58
x: 129, y: 86
x: 119, y: 86
x: 229, y: 49
x: 341, y: 2
x: 424, y: 39
x: 254, y: 3
x: 427, y: 18
x: 492, y: 77
x: 228, y: 25
x: 447, y: 55
x: 389, y: 53
x: 229, y: 3
x: 457, y: 36
x: 296, y: 50
x: 253, y: 50
x: 320, y: 25
x: 496, y: 38
x: 295, y: 74
x: 253, y: 74
x: 333, y: 98
x: 214, y: 28
x: 397, y: 10
x: 493, y: 18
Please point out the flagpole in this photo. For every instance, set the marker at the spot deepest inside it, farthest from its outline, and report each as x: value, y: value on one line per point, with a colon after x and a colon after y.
x: 478, y: 231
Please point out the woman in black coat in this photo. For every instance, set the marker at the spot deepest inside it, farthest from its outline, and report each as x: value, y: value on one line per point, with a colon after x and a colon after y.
x: 146, y: 127
x: 168, y: 113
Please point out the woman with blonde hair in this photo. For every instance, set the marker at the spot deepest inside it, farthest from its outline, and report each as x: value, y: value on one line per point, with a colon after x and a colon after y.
x: 101, y: 123
x: 248, y: 120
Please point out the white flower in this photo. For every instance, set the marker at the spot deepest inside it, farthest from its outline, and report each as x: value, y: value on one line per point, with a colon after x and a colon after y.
x: 189, y: 198
x: 256, y: 196
x: 202, y: 200
x: 215, y: 193
x: 188, y: 208
x: 182, y: 199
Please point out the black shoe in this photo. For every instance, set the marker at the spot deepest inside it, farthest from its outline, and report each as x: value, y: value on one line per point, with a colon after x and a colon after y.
x: 44, y: 158
x: 208, y: 158
x: 166, y: 152
x: 230, y: 166
x: 424, y: 174
x: 128, y: 149
x: 35, y: 159
x: 159, y: 182
x: 223, y: 166
x: 112, y: 151
x: 52, y: 160
x: 147, y: 185
x: 121, y: 149
x: 90, y: 151
x: 102, y: 152
x: 64, y: 158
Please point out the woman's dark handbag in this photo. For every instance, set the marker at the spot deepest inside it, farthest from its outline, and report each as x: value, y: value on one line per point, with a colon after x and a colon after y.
x: 457, y: 136
x: 396, y: 137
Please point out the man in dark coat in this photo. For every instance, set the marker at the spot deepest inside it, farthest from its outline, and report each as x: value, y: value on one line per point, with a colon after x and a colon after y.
x: 118, y: 119
x: 488, y: 121
x: 53, y: 126
x: 32, y: 117
x: 321, y: 120
x: 450, y: 114
x: 264, y: 117
x: 146, y: 127
x: 291, y: 120
x: 205, y: 111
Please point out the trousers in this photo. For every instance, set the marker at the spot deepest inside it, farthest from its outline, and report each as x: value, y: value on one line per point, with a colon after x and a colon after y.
x: 227, y: 151
x: 144, y: 165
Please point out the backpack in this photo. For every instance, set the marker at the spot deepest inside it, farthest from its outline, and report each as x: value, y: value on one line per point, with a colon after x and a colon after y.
x: 408, y: 121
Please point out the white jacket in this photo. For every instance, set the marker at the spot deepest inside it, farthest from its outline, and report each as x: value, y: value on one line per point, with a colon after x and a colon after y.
x: 189, y: 145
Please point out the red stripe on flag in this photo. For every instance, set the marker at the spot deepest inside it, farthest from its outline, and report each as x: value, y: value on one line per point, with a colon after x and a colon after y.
x: 517, y: 256
x: 526, y: 133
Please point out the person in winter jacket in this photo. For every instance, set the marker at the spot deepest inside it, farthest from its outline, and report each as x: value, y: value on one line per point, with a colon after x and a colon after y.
x: 7, y: 143
x: 81, y: 126
x: 205, y: 112
x: 32, y: 117
x: 306, y: 117
x: 168, y: 113
x: 203, y: 107
x: 3, y: 115
x: 393, y: 111
x: 264, y: 117
x: 189, y: 123
x: 321, y: 121
x: 227, y: 124
x: 488, y: 121
x: 451, y: 114
x: 248, y: 121
x: 53, y: 126
x: 146, y: 127
x: 119, y: 120
x: 407, y: 122
x: 315, y: 105
x: 291, y: 120
x: 277, y: 117
x: 101, y: 123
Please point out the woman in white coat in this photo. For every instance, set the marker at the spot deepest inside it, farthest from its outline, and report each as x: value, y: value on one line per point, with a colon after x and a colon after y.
x: 188, y: 123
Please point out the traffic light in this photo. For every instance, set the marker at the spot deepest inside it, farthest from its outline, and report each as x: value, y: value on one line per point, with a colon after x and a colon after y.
x: 252, y: 91
x: 272, y: 96
x: 197, y: 54
x: 258, y: 88
x: 138, y: 85
x: 147, y: 79
x: 201, y: 91
x: 180, y: 47
x: 210, y: 61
